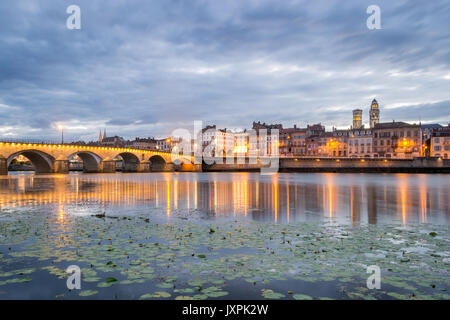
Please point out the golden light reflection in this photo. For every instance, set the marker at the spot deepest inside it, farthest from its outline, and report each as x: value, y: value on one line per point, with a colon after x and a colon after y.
x: 402, y: 201
x: 287, y: 202
x: 168, y: 197
x: 275, y: 203
x: 215, y: 194
x: 175, y: 197
x: 188, y: 196
x: 329, y: 194
x: 423, y: 198
x: 244, y: 195
x: 61, y: 214
x: 245, y: 198
x: 195, y: 195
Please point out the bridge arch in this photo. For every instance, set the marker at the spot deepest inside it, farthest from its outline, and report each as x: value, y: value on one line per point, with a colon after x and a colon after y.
x: 130, y: 161
x: 157, y: 163
x: 91, y: 161
x: 42, y: 162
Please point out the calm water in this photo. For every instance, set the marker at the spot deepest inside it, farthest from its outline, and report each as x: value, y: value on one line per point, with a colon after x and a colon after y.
x: 281, y: 198
x: 224, y: 235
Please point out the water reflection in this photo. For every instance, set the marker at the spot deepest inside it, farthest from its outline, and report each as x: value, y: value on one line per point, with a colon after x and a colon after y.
x: 280, y: 198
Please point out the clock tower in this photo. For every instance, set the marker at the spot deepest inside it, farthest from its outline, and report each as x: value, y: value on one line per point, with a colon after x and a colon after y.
x: 374, y: 113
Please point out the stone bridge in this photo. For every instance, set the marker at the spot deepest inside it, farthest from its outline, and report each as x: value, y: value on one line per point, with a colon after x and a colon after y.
x: 54, y: 158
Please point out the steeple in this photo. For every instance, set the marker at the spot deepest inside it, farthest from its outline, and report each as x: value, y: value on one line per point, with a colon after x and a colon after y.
x: 374, y: 103
x: 104, y: 134
x: 374, y: 113
x: 100, y: 139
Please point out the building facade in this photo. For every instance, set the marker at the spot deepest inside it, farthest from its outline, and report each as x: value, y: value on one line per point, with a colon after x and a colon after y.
x: 292, y: 141
x: 440, y: 143
x: 397, y: 140
x: 334, y: 144
x: 217, y: 142
x: 241, y: 144
x: 164, y: 145
x: 360, y: 143
x: 144, y: 144
x: 267, y: 141
x: 298, y: 142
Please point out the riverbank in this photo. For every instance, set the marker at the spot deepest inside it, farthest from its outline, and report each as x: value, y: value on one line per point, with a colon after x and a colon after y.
x: 342, y: 165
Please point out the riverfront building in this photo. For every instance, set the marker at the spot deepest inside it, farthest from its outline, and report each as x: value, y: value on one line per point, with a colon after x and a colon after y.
x: 266, y: 144
x: 292, y: 141
x: 360, y: 143
x: 397, y: 140
x: 440, y: 143
x: 334, y: 144
x: 217, y: 142
x: 298, y: 142
x: 143, y: 143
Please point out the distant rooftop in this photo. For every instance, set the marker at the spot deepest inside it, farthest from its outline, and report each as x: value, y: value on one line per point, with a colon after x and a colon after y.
x: 431, y: 126
x: 394, y: 124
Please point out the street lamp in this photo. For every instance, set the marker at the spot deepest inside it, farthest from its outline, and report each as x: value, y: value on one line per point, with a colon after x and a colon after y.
x: 60, y: 127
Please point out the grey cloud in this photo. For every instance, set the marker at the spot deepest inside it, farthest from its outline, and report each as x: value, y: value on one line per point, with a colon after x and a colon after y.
x: 145, y: 67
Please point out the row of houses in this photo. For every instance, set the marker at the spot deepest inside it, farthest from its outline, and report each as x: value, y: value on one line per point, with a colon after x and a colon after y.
x: 384, y: 140
x: 394, y: 139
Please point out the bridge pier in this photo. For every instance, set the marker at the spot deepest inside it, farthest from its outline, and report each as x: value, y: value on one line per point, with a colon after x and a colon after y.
x: 61, y: 166
x: 131, y: 167
x: 189, y: 167
x: 169, y: 167
x: 89, y: 169
x: 144, y: 166
x: 3, y: 165
x: 108, y: 166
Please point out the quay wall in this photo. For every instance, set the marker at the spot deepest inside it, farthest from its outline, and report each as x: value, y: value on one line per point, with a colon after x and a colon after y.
x: 416, y: 165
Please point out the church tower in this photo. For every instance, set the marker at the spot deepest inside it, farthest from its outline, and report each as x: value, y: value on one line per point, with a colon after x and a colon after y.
x: 104, y: 134
x: 374, y: 113
x: 100, y: 139
x: 357, y: 119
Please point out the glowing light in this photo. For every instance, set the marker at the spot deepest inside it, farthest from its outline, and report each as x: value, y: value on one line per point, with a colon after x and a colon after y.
x: 168, y: 197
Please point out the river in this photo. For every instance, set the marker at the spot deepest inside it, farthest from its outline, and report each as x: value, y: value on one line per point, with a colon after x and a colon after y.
x: 224, y: 235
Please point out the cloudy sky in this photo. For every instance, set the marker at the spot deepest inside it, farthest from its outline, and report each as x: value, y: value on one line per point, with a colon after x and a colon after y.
x: 144, y: 68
